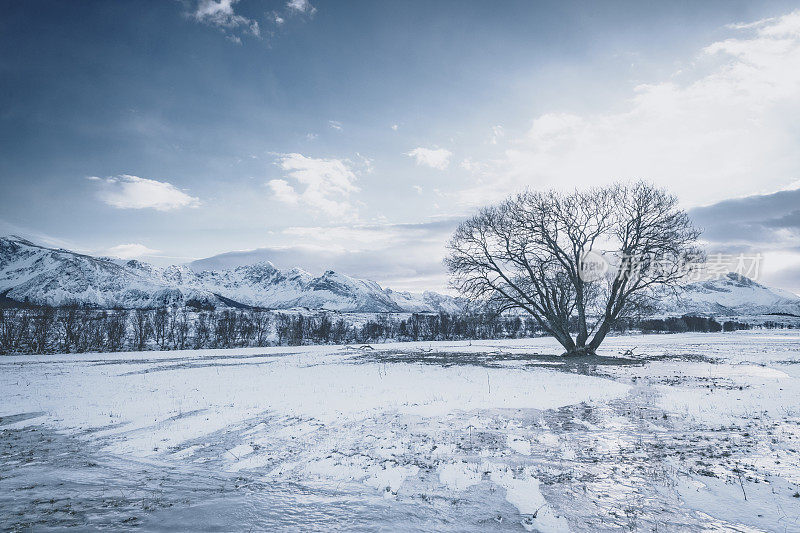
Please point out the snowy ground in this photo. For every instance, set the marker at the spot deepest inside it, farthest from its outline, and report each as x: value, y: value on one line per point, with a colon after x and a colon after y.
x: 694, y: 431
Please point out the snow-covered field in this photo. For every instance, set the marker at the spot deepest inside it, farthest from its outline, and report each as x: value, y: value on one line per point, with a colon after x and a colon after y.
x: 693, y: 431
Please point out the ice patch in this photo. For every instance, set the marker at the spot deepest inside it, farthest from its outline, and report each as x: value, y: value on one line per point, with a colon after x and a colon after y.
x: 239, y: 451
x: 519, y: 444
x: 386, y: 476
x: 297, y: 430
x: 251, y: 462
x: 548, y: 439
x: 459, y: 476
x: 187, y: 452
x: 568, y: 454
x: 389, y: 477
x: 522, y: 491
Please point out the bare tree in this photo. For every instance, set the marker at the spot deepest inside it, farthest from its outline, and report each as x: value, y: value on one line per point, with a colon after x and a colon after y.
x: 71, y: 325
x: 283, y: 327
x: 534, y: 252
x: 115, y: 329
x: 14, y: 330
x: 6, y: 324
x: 203, y: 330
x: 142, y: 329
x: 339, y: 332
x: 244, y: 329
x: 261, y: 323
x: 93, y: 336
x: 161, y: 327
x: 43, y: 325
x: 225, y: 329
x: 179, y: 328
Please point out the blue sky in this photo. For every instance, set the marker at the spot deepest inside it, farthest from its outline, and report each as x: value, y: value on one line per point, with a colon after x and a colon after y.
x: 355, y: 135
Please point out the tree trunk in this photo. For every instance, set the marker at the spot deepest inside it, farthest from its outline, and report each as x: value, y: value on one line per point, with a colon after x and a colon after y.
x: 583, y: 330
x: 564, y: 340
x: 602, y: 331
x: 579, y: 351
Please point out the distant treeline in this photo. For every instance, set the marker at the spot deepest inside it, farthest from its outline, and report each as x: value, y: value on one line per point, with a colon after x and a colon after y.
x: 689, y: 323
x: 77, y: 330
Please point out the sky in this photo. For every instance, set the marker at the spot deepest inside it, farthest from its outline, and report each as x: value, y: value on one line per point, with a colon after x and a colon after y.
x: 356, y: 135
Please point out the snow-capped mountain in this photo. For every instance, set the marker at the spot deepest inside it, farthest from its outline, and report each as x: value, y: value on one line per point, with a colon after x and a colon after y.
x: 40, y: 275
x: 733, y: 295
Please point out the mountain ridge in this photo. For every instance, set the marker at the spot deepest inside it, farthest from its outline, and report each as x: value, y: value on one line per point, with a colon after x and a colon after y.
x: 36, y: 274
x: 731, y: 295
x: 53, y: 276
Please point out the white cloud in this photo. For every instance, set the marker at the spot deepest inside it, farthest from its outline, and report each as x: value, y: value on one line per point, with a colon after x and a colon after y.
x: 335, y: 125
x: 365, y: 164
x: 395, y: 127
x: 211, y: 9
x: 283, y: 191
x: 400, y: 256
x: 133, y: 192
x: 342, y: 238
x: 417, y: 188
x: 438, y: 158
x: 725, y: 128
x: 130, y: 251
x: 471, y: 165
x: 220, y: 13
x: 324, y: 185
x: 301, y: 6
x: 497, y: 134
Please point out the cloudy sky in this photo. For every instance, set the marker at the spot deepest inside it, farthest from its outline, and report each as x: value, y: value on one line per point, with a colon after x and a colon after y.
x: 355, y: 135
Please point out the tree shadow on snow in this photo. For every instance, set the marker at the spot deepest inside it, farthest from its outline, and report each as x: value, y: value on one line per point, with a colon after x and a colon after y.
x: 573, y: 364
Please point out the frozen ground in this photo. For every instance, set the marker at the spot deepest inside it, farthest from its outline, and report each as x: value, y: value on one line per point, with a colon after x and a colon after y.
x: 693, y: 431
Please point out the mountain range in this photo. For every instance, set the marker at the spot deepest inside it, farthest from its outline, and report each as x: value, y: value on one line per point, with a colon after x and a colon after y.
x: 48, y: 276
x: 732, y: 295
